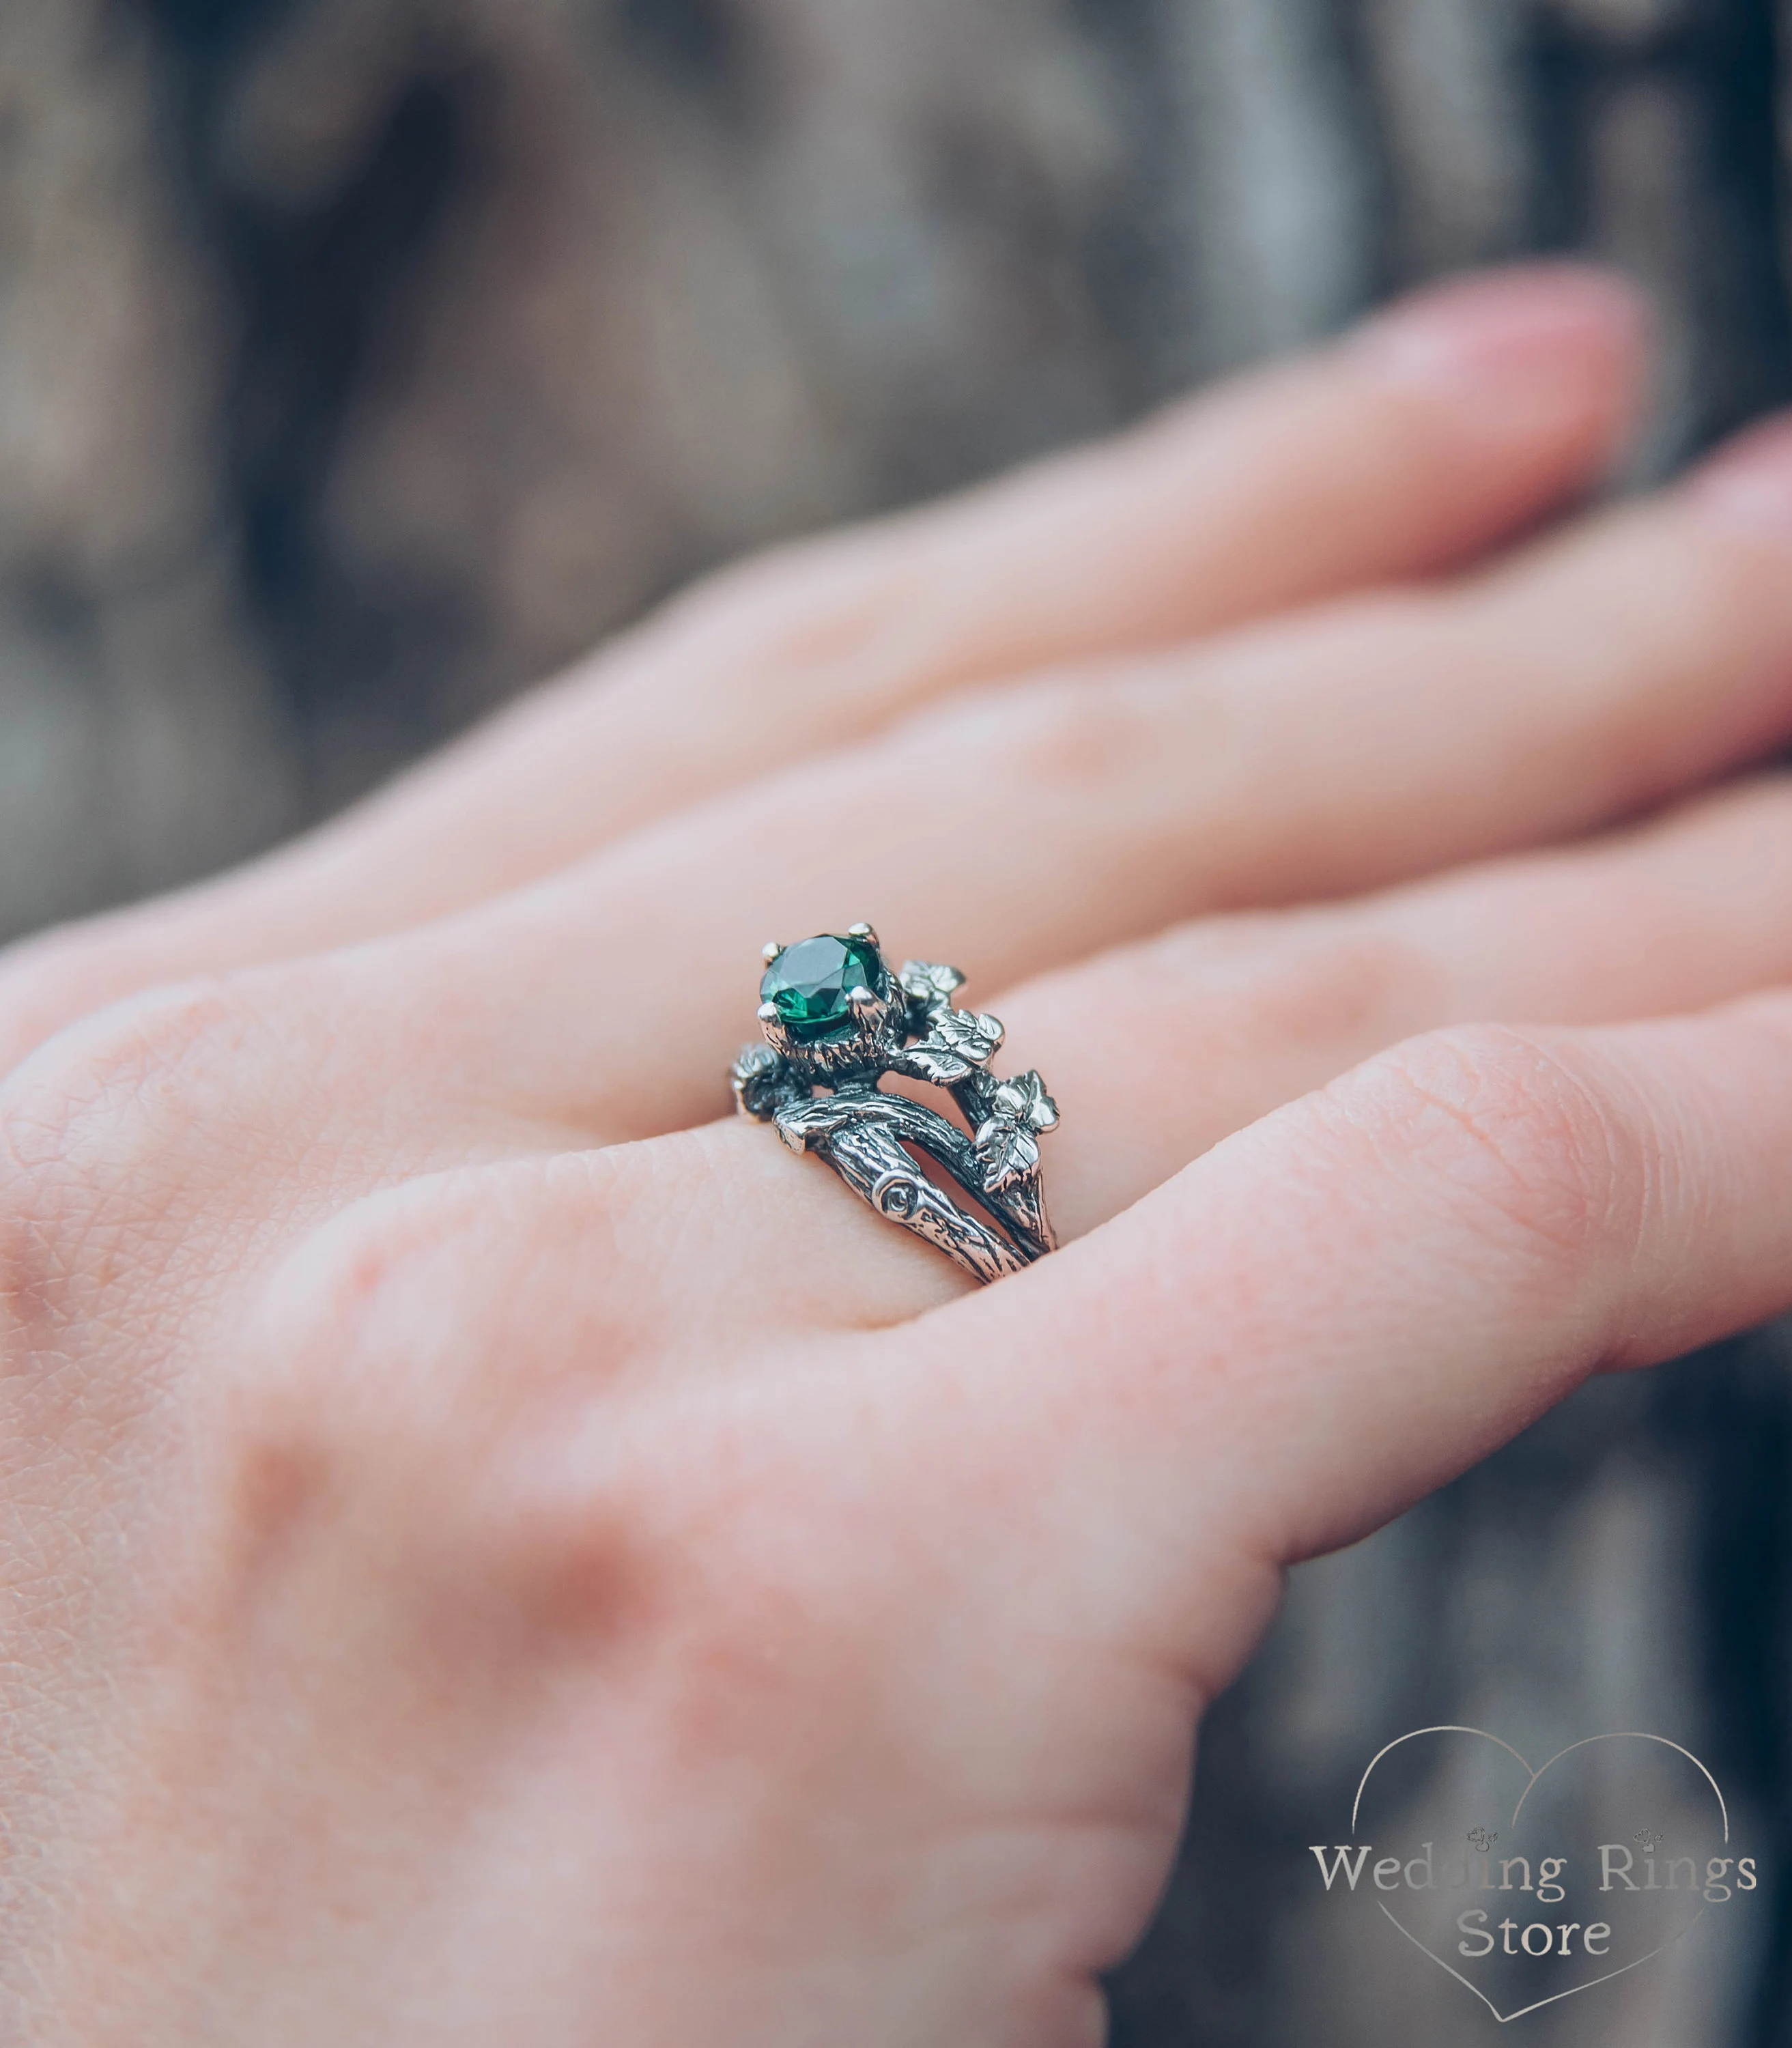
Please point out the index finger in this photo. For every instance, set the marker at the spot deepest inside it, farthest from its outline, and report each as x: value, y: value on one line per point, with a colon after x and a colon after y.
x: 1442, y: 427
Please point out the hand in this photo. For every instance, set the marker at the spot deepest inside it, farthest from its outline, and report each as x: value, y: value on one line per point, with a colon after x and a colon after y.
x: 490, y: 1553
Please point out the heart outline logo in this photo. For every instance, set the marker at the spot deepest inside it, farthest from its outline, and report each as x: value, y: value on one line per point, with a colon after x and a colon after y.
x: 1574, y: 1990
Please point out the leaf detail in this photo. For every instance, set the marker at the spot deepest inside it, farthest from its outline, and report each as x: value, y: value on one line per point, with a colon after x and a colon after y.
x: 928, y: 981
x: 972, y: 1035
x: 1006, y: 1154
x: 1039, y: 1110
x: 930, y: 1061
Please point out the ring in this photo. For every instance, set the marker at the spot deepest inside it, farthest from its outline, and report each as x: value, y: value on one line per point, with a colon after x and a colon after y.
x: 834, y: 1018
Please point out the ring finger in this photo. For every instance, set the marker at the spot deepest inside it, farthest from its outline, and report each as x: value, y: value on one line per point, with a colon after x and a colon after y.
x: 1155, y: 1053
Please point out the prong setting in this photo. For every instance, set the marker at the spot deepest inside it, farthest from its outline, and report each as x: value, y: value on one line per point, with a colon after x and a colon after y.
x: 841, y: 1021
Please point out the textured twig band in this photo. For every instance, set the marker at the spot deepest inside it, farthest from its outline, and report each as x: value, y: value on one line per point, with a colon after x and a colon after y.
x: 836, y: 1018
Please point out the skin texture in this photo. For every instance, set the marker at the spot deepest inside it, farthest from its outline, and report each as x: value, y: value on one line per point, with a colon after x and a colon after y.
x: 490, y: 1551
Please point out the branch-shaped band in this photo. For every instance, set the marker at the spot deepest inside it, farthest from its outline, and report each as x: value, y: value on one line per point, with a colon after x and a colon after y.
x: 835, y: 1019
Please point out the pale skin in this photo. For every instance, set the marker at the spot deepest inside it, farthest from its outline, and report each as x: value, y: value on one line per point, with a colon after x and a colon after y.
x: 493, y: 1549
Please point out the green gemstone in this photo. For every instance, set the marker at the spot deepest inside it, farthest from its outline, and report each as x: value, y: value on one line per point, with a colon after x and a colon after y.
x: 809, y: 983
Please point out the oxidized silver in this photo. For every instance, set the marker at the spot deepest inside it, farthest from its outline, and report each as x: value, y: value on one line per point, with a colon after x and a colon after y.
x: 911, y: 1028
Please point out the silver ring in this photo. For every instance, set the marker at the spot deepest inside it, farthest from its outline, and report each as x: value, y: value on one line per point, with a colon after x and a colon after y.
x: 834, y: 1018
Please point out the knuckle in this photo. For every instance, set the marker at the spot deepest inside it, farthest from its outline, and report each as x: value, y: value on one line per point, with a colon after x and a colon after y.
x: 1083, y: 734
x: 336, y: 1415
x: 114, y: 1069
x: 391, y: 1350
x: 358, y: 1327
x: 1090, y: 739
x: 1295, y: 977
x: 429, y: 1273
x: 100, y: 1114
x: 517, y: 1477
x: 1340, y: 981
x: 800, y: 605
x: 55, y: 978
x: 1520, y: 1135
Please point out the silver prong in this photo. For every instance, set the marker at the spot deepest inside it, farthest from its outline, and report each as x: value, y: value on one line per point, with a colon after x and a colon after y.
x: 862, y: 932
x: 768, y: 1013
x: 769, y: 951
x: 859, y: 997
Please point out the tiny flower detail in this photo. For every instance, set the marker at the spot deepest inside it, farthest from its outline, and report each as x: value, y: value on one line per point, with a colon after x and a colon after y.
x: 1478, y: 1838
x: 1006, y: 1141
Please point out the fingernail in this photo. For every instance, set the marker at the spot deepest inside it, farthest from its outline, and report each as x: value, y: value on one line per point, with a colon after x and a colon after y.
x: 1561, y: 333
x: 1749, y: 480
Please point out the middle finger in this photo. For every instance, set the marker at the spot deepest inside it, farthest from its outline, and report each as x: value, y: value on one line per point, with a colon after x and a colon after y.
x: 1638, y: 656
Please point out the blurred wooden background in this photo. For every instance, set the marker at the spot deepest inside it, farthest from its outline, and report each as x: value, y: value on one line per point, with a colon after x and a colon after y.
x: 361, y: 360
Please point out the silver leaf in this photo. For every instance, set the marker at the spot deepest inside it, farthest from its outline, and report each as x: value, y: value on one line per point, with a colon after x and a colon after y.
x: 969, y: 1033
x: 931, y: 1061
x: 1038, y: 1109
x: 929, y: 982
x: 1007, y: 1153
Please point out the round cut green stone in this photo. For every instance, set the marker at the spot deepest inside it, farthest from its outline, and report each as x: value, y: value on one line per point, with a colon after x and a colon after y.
x: 810, y: 982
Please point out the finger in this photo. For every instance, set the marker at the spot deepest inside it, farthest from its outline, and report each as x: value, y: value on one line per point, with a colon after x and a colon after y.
x: 1220, y: 1021
x: 1154, y: 1052
x: 1653, y: 646
x: 1340, y: 1308
x: 1652, y: 650
x: 1424, y: 439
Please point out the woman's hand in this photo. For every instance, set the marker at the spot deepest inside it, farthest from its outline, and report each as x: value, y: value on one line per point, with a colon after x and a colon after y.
x: 490, y: 1553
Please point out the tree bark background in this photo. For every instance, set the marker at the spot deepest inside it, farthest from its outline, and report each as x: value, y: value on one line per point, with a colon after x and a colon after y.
x: 360, y: 360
